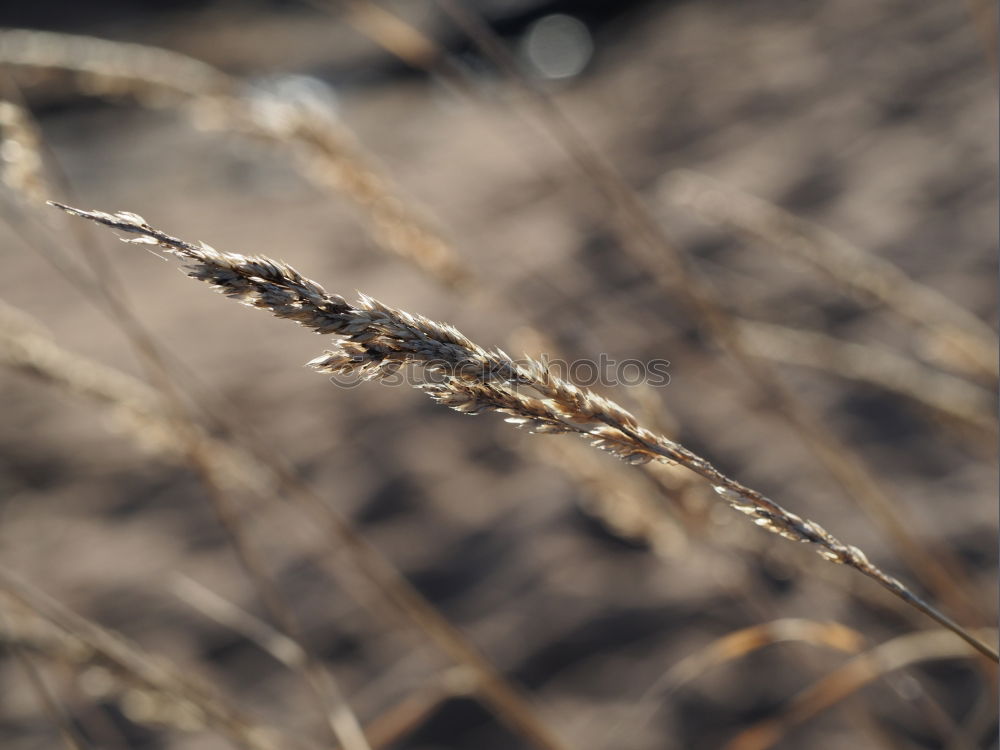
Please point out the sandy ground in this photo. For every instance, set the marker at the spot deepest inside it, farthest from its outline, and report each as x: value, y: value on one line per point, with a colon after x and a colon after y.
x: 875, y: 120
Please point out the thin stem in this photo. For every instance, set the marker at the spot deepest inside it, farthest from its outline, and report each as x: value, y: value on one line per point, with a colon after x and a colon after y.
x: 377, y: 340
x: 646, y: 243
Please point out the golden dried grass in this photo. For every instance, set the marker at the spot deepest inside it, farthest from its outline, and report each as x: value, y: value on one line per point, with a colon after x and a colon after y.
x: 381, y: 338
x: 378, y: 340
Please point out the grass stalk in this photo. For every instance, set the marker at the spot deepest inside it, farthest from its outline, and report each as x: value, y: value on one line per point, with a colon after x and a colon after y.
x: 197, y: 698
x: 322, y: 148
x: 958, y: 338
x: 377, y: 340
x: 646, y: 244
x: 897, y: 653
x: 952, y: 399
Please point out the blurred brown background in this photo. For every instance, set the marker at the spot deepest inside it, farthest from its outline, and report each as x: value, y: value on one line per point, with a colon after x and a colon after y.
x: 875, y: 120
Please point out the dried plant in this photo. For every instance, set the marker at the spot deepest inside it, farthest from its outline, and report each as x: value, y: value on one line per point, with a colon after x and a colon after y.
x: 655, y: 507
x: 25, y: 347
x: 377, y: 340
x: 955, y: 399
x: 955, y: 335
x: 302, y: 127
x: 135, y: 408
x: 289, y: 117
x: 380, y: 339
x: 142, y: 412
x: 872, y: 665
x: 21, y: 163
x: 620, y: 502
x: 646, y: 244
x: 732, y: 647
x: 115, y: 69
x: 395, y: 724
x: 167, y: 693
x: 343, y: 723
x: 330, y: 156
x: 50, y: 703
